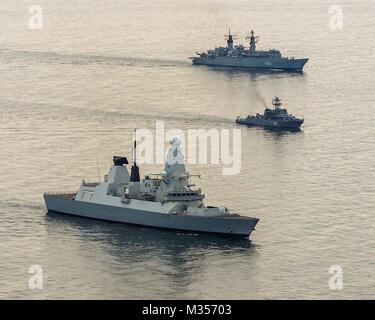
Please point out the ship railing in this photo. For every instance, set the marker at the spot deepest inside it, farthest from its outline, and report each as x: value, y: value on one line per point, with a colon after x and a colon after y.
x: 90, y: 184
x: 67, y: 195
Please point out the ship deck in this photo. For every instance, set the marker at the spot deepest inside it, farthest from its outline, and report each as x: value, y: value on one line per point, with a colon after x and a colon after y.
x: 63, y: 195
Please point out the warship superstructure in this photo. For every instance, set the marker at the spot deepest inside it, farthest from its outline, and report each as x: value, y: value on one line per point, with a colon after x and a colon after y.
x: 276, y: 118
x: 248, y: 57
x: 166, y: 200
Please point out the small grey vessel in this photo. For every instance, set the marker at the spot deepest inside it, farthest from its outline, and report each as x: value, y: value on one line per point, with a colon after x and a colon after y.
x: 240, y: 56
x: 166, y: 200
x: 275, y: 118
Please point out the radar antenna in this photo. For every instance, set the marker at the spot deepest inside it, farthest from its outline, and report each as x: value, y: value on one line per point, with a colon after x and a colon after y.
x: 253, y: 40
x: 234, y: 36
x: 276, y: 102
x: 230, y: 37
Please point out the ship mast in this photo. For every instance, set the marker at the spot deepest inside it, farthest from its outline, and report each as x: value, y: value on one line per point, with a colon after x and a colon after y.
x: 276, y: 102
x: 229, y: 38
x: 253, y: 41
x: 134, y: 174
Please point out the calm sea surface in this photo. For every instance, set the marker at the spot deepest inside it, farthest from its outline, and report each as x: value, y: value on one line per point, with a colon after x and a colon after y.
x: 72, y: 93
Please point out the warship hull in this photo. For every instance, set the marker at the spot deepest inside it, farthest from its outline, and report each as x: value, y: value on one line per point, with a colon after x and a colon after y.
x: 230, y: 225
x: 280, y: 124
x: 252, y: 63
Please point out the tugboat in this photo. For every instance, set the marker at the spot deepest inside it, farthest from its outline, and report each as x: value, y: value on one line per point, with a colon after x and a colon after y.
x: 275, y: 118
x: 166, y: 200
x: 243, y: 57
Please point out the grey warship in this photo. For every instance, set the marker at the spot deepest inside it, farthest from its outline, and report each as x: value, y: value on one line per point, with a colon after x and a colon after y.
x: 243, y: 57
x: 275, y: 118
x: 166, y: 200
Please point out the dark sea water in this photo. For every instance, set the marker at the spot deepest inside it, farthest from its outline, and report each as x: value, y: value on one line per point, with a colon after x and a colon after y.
x: 72, y: 93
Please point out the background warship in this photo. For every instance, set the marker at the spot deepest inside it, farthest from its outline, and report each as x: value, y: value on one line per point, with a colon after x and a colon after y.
x: 275, y: 118
x: 166, y: 200
x: 240, y: 56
